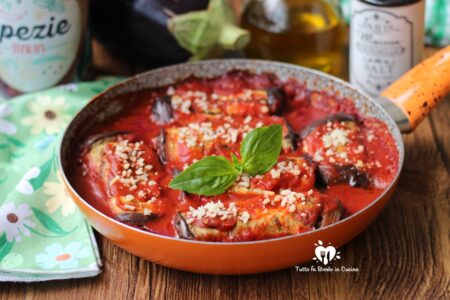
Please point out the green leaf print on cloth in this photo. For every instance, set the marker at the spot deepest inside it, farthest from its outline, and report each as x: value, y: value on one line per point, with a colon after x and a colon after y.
x: 43, y: 236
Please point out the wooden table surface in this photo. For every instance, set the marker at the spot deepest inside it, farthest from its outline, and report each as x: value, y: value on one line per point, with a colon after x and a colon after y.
x: 404, y: 254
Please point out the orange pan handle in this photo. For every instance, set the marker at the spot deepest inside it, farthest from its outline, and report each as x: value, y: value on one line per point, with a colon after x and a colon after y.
x: 418, y: 91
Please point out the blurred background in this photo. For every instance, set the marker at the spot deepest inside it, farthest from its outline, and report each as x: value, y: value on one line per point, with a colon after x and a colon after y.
x: 311, y: 33
x: 82, y: 39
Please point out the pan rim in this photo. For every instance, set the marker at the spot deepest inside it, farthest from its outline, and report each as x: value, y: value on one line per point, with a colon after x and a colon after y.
x: 396, y: 135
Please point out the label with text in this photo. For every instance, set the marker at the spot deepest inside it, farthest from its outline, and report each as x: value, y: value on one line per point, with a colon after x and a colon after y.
x: 381, y: 49
x: 39, y: 41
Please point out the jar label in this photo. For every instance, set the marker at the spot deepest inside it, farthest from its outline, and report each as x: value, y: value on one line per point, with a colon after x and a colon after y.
x: 39, y: 41
x: 381, y: 49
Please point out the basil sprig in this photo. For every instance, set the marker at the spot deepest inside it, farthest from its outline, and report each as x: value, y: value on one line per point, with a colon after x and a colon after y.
x: 213, y: 175
x: 260, y: 149
x: 208, y: 176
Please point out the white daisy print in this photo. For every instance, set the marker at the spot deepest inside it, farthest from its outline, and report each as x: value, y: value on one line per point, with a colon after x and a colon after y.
x: 6, y: 126
x: 48, y: 115
x: 59, y: 198
x: 71, y: 87
x: 62, y: 257
x: 24, y: 186
x: 14, y: 221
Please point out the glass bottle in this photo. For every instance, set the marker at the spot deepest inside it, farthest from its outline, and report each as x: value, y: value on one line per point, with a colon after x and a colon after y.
x: 310, y: 33
x: 42, y: 43
x: 386, y: 40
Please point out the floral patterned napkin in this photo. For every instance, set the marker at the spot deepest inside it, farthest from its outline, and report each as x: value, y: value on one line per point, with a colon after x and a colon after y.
x: 43, y: 236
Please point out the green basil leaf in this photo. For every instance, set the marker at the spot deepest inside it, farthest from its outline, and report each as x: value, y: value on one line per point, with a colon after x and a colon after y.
x: 210, y: 176
x: 260, y: 149
x: 237, y: 163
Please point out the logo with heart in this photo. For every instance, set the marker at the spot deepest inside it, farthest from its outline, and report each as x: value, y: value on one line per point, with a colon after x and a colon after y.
x: 325, y: 254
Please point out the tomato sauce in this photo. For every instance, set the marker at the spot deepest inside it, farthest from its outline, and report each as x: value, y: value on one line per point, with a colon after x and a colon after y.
x: 300, y: 108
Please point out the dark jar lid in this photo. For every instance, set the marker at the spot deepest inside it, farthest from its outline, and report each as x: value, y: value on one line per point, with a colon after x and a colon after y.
x: 390, y: 2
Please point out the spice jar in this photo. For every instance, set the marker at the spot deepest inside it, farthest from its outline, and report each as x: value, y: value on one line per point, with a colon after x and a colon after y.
x: 42, y: 43
x: 386, y: 40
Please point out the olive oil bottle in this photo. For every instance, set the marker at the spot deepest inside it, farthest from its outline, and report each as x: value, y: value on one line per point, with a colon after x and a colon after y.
x: 310, y: 33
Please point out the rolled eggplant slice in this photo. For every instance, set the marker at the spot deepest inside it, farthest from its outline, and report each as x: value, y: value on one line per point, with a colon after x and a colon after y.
x: 247, y: 102
x: 135, y: 212
x: 267, y: 215
x: 103, y: 137
x: 273, y: 224
x: 327, y: 174
x: 291, y: 139
x: 184, y: 145
x: 331, y: 216
x: 198, y: 231
x: 211, y: 135
x: 295, y: 173
x: 310, y: 208
x: 182, y: 228
x: 161, y: 110
x: 125, y: 171
x: 251, y: 102
x: 159, y: 143
x: 276, y: 98
x: 138, y: 219
x: 340, y: 117
x: 337, y: 147
x: 211, y: 221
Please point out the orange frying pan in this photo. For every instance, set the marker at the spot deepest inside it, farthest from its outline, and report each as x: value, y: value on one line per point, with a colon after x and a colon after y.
x: 404, y: 104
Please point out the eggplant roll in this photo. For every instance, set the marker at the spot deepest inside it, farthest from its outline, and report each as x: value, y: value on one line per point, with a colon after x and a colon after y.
x: 258, y: 215
x: 125, y: 171
x: 338, y: 149
x: 294, y: 173
x: 213, y: 135
x: 243, y: 103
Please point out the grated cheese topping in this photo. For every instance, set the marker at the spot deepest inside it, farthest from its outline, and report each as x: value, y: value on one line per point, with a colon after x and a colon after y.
x: 335, y: 138
x: 243, y: 181
x: 285, y: 167
x: 212, y: 210
x: 318, y: 157
x: 289, y: 199
x: 183, y: 105
x: 170, y: 91
x: 196, y: 134
x: 244, y: 217
x: 135, y: 169
x: 184, y: 101
x: 130, y: 207
x: 336, y: 147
